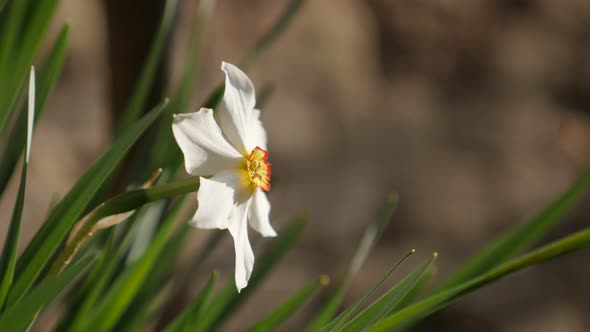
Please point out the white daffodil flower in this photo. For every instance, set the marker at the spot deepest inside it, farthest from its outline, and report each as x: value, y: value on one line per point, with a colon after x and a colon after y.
x: 228, y: 151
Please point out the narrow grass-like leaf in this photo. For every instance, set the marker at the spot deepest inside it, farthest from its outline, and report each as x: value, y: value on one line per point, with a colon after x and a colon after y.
x: 98, y: 280
x: 11, y: 28
x: 149, y: 69
x: 228, y: 300
x: 121, y: 204
x: 166, y: 152
x: 415, y: 291
x: 18, y: 317
x: 141, y: 310
x: 215, y: 97
x: 522, y: 237
x: 48, y: 77
x: 277, y: 29
x: 193, y: 313
x: 91, y: 288
x: 407, y: 316
x: 147, y: 229
x: 347, y: 314
x: 2, y: 5
x: 9, y: 86
x: 285, y: 310
x: 370, y: 238
x: 180, y: 283
x: 43, y: 246
x: 380, y: 308
x: 8, y: 258
x: 261, y: 45
x: 184, y: 280
x: 29, y: 37
x: 94, y: 288
x: 135, y: 198
x: 127, y: 285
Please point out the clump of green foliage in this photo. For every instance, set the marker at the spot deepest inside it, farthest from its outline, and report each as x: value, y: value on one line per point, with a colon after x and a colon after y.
x: 91, y: 242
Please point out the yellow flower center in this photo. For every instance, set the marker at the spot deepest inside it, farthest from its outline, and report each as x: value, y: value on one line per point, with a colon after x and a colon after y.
x: 259, y: 168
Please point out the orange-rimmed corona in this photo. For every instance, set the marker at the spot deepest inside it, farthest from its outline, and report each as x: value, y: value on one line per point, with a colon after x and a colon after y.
x: 259, y: 168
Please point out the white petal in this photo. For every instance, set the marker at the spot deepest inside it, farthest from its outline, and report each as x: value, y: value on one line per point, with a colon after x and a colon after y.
x: 205, y: 149
x: 31, y: 113
x: 259, y: 214
x: 237, y: 117
x: 216, y: 198
x: 256, y: 133
x: 238, y: 228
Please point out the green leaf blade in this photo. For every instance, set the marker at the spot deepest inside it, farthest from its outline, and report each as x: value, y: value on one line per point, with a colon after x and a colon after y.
x: 125, y: 288
x: 228, y: 300
x: 167, y: 154
x: 9, y: 252
x: 138, y: 313
x: 345, y: 316
x: 285, y: 310
x: 10, y: 32
x: 380, y: 308
x: 18, y: 318
x: 370, y: 238
x: 194, y: 312
x: 47, y: 240
x: 521, y: 238
x: 149, y: 69
x: 276, y: 30
x: 29, y: 36
x: 410, y: 315
x: 48, y: 77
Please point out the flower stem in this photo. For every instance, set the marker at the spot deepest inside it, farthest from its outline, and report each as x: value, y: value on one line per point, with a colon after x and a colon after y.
x: 133, y: 199
x: 124, y: 202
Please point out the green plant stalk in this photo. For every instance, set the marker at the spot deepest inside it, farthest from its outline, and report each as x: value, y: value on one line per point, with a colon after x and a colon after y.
x: 338, y: 322
x: 138, y: 314
x: 48, y: 76
x: 94, y: 288
x: 519, y: 239
x: 30, y: 37
x: 10, y: 30
x: 126, y: 287
x: 381, y: 307
x: 193, y: 312
x: 262, y: 44
x: 167, y: 154
x: 184, y: 279
x: 416, y: 290
x: 44, y: 245
x: 97, y: 283
x: 368, y: 241
x: 228, y: 300
x: 22, y: 315
x: 8, y: 259
x: 146, y: 79
x: 282, y: 312
x: 278, y: 28
x: 125, y: 202
x: 574, y: 242
x: 2, y: 4
x: 9, y: 252
x: 89, y: 290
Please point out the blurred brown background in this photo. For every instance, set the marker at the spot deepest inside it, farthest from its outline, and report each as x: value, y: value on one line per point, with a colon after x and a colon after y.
x: 476, y: 112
